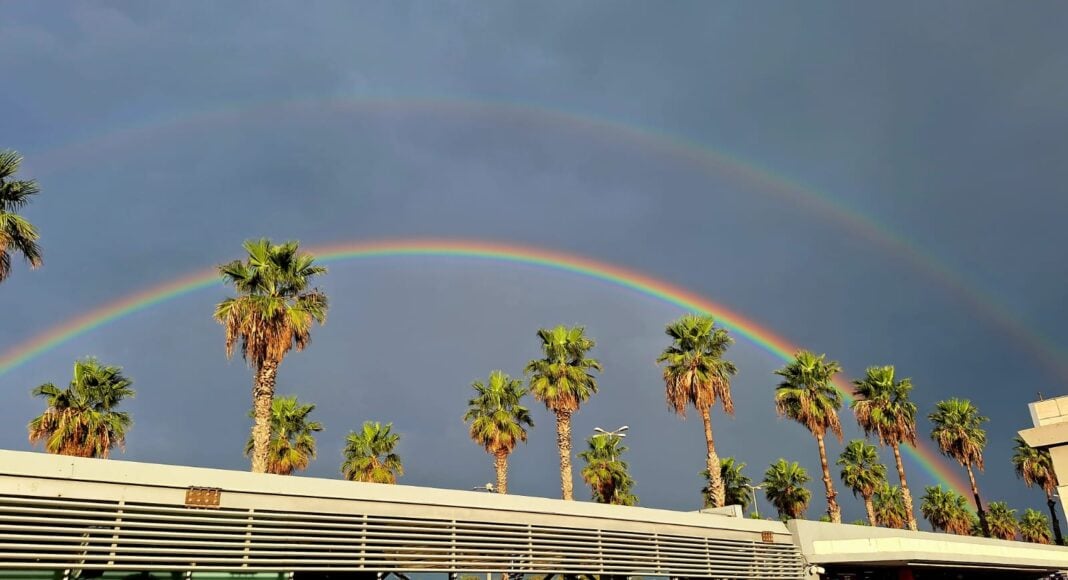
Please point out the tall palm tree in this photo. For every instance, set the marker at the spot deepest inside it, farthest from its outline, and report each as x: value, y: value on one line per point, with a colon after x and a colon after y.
x: 946, y: 510
x: 1002, y: 521
x: 784, y: 486
x: 882, y: 407
x: 889, y: 506
x: 862, y: 472
x: 273, y: 313
x: 498, y: 421
x: 958, y: 431
x: 605, y: 472
x: 1035, y: 467
x: 695, y: 373
x: 1034, y: 527
x: 563, y: 380
x: 370, y: 455
x: 736, y: 485
x: 82, y: 420
x: 292, y: 443
x: 16, y: 233
x: 807, y: 396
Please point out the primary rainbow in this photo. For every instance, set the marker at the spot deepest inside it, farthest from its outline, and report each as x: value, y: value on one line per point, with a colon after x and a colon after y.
x: 477, y: 249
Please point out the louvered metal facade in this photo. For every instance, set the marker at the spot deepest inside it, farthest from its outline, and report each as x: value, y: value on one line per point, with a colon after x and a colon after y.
x: 65, y: 513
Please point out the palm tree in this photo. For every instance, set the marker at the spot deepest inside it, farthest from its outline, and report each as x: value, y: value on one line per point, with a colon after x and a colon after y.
x: 958, y: 431
x: 784, y: 486
x: 736, y: 485
x: 889, y: 507
x: 498, y: 421
x: 807, y: 396
x: 292, y: 443
x: 606, y: 474
x: 563, y: 380
x: 82, y: 419
x: 1002, y: 521
x: 1034, y: 527
x: 882, y: 407
x: 862, y: 472
x: 370, y: 454
x: 16, y: 233
x: 1035, y: 467
x: 695, y: 373
x: 946, y: 510
x: 273, y: 314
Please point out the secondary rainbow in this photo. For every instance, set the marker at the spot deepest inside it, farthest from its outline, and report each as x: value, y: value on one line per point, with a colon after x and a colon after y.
x: 472, y: 249
x: 716, y: 161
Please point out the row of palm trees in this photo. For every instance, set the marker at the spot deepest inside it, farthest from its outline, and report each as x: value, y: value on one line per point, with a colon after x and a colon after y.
x: 277, y: 306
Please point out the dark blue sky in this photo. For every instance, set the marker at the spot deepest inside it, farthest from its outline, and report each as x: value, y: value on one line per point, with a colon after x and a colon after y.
x: 164, y: 134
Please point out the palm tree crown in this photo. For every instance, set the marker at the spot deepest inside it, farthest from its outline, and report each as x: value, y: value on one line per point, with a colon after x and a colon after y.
x: 1002, y: 521
x: 1034, y: 527
x: 563, y: 380
x: 82, y: 419
x: 497, y: 420
x: 784, y: 485
x: 1035, y: 467
x: 862, y: 472
x: 888, y: 505
x: 735, y: 484
x: 946, y: 510
x: 605, y: 472
x: 695, y: 373
x: 806, y: 395
x: 16, y: 233
x: 958, y: 431
x: 882, y: 407
x: 292, y: 444
x: 273, y: 314
x: 370, y: 454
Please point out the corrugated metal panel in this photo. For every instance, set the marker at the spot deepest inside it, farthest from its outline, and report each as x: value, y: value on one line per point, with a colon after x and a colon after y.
x: 62, y: 533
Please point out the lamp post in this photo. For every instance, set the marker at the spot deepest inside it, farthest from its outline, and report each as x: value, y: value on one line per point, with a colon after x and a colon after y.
x: 754, y: 488
x: 488, y: 487
x: 619, y: 432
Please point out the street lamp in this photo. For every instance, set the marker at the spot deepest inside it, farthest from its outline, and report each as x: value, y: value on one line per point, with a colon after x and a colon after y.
x: 756, y: 505
x: 488, y: 487
x: 619, y: 432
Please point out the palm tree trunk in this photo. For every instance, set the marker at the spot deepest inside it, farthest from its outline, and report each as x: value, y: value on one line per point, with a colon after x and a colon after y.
x: 978, y: 503
x: 715, y: 479
x: 563, y: 442
x: 500, y: 462
x: 1053, y: 518
x: 832, y: 502
x: 262, y: 395
x: 906, y: 495
x: 870, y: 508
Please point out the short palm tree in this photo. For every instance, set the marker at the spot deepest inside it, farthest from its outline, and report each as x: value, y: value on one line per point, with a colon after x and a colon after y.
x: 1002, y: 521
x: 736, y: 485
x: 883, y: 408
x: 889, y: 506
x: 605, y: 472
x: 292, y: 443
x: 1034, y: 527
x: 16, y: 233
x: 82, y: 420
x: 784, y: 486
x: 862, y: 472
x: 498, y: 421
x: 563, y: 380
x: 958, y: 431
x: 695, y: 373
x: 1035, y: 467
x: 946, y: 510
x: 273, y: 313
x: 370, y: 454
x: 807, y: 396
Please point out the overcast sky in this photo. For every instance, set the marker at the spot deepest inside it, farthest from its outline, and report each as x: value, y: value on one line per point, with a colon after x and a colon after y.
x: 163, y: 134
